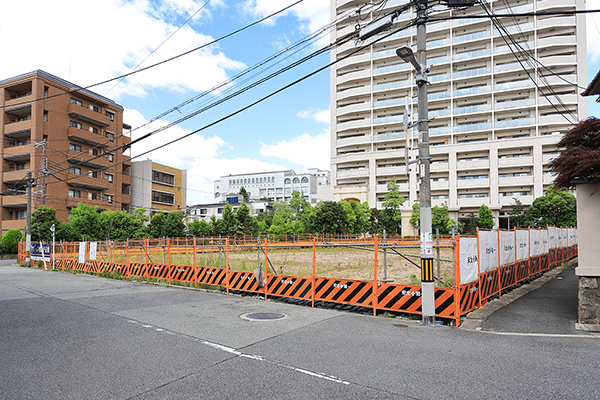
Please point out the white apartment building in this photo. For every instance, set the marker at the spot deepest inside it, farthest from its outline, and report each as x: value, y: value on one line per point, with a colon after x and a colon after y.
x: 206, y: 211
x: 492, y: 130
x: 275, y: 186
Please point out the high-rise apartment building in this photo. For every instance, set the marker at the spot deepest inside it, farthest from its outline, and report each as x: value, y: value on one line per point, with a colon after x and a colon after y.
x: 494, y: 116
x: 157, y: 187
x: 70, y: 140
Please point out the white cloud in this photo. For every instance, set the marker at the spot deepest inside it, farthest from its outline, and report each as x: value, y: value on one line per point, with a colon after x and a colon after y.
x: 593, y: 32
x: 306, y: 150
x: 322, y: 116
x: 94, y: 41
x: 200, y: 156
x: 312, y: 14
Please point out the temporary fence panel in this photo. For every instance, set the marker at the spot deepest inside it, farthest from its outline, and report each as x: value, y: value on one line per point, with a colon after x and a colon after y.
x: 244, y: 281
x: 400, y: 298
x: 344, y: 291
x: 508, y: 276
x: 544, y: 238
x: 212, y: 276
x: 488, y: 250
x: 182, y: 273
x: 522, y: 244
x: 535, y: 243
x: 444, y: 303
x: 552, y: 238
x: 469, y: 297
x: 290, y: 286
x: 468, y: 260
x: 507, y: 247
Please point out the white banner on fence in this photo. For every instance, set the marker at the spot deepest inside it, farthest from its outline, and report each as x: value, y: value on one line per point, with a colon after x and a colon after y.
x: 488, y: 250
x: 545, y: 238
x: 572, y: 236
x: 522, y: 245
x: 468, y: 260
x: 507, y: 247
x: 93, y: 248
x: 552, y: 241
x: 565, y: 236
x: 82, y: 247
x: 535, y: 242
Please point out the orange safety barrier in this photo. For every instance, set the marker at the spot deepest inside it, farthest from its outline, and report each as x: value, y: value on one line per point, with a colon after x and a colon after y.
x: 344, y: 291
x: 211, y: 276
x: 449, y: 302
x: 290, y: 286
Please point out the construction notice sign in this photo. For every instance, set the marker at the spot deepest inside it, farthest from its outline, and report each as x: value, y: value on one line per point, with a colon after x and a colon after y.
x: 40, y: 251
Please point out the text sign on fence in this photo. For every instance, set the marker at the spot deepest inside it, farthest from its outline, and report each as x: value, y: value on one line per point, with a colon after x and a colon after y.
x: 40, y: 251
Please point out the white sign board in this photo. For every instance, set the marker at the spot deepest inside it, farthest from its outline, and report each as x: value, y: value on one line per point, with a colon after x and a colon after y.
x: 82, y: 248
x: 93, y: 248
x: 468, y: 260
x: 488, y: 250
x: 522, y: 245
x: 507, y: 247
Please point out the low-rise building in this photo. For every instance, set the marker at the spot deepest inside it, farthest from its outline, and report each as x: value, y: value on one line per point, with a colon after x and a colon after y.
x: 313, y: 185
x: 157, y: 187
x: 206, y: 211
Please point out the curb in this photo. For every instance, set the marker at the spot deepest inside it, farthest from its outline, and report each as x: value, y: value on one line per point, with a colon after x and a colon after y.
x: 476, y: 318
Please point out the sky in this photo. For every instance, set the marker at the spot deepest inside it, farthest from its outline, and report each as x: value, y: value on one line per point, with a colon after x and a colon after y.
x: 88, y: 42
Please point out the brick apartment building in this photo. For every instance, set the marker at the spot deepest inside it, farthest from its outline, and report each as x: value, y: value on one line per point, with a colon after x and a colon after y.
x: 157, y: 187
x: 83, y: 134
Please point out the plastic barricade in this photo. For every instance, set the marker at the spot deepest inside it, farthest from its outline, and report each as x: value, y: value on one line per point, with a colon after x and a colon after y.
x: 344, y: 291
x: 289, y: 286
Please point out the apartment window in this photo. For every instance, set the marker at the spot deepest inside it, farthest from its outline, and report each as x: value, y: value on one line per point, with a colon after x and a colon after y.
x: 279, y: 191
x: 21, y: 214
x: 109, y: 157
x: 203, y: 211
x: 21, y: 119
x: 163, y: 197
x: 108, y: 198
x: 93, y: 196
x: 271, y: 191
x: 95, y: 109
x: 110, y: 136
x: 74, y: 147
x: 21, y: 142
x: 304, y: 180
x: 108, y: 177
x: 94, y: 174
x: 220, y: 210
x: 95, y: 130
x: 45, y: 116
x: 75, y: 170
x: 163, y: 177
x: 74, y: 193
x: 74, y: 124
x: 94, y: 152
x: 21, y: 166
x: 287, y: 181
x: 46, y: 91
x: 76, y: 102
x: 263, y: 192
x: 110, y: 115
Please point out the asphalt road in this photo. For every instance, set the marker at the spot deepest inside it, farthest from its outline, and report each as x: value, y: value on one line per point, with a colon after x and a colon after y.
x: 74, y: 336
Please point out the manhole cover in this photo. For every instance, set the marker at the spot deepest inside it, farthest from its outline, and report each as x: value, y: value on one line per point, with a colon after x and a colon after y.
x: 401, y: 325
x: 263, y: 316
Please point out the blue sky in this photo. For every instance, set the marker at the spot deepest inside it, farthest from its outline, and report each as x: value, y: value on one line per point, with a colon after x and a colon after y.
x: 87, y: 42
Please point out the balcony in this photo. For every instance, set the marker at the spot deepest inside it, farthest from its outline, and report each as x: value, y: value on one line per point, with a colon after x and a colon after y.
x: 85, y: 114
x: 473, y: 201
x: 473, y: 164
x: 88, y: 160
x: 14, y: 201
x: 556, y: 22
x: 515, y: 161
x: 18, y: 152
x: 393, y: 171
x: 510, y: 200
x: 14, y: 176
x: 516, y: 181
x: 402, y: 187
x: 87, y: 137
x: 15, y: 127
x: 439, y: 166
x: 354, y: 108
x: 353, y: 173
x: 356, y: 75
x: 14, y: 224
x: 358, y: 91
x: 358, y: 123
x: 469, y: 183
x: 352, y: 140
x: 18, y: 102
x: 439, y: 185
x: 548, y: 179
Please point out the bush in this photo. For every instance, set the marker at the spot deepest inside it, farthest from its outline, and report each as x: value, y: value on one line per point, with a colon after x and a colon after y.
x: 10, y: 241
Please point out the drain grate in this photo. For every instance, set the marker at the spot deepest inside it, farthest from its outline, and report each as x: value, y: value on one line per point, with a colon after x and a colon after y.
x: 261, y: 316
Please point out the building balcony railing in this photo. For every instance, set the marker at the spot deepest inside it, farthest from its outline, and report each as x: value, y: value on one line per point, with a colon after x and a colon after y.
x: 16, y: 201
x: 13, y: 176
x: 17, y: 126
x: 90, y: 116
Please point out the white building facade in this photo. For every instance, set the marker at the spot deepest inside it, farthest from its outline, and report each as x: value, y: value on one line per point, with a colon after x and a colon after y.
x: 313, y: 186
x: 492, y: 129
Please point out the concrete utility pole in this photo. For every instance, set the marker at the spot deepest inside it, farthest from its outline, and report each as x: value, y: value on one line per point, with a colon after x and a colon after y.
x: 28, y: 231
x: 420, y: 64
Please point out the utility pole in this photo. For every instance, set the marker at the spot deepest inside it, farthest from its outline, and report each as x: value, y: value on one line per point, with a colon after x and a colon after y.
x: 424, y: 160
x: 43, y: 143
x: 28, y: 231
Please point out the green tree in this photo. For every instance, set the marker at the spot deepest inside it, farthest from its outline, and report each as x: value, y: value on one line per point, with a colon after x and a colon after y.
x: 517, y: 215
x: 556, y: 207
x: 67, y: 232
x: 363, y: 216
x: 247, y: 224
x: 86, y: 222
x: 229, y: 221
x: 331, y: 218
x: 10, y: 241
x: 302, y: 211
x: 486, y: 218
x: 245, y: 194
x: 391, y: 219
x: 120, y: 225
x: 285, y: 221
x: 174, y: 225
x: 441, y: 220
x: 471, y: 225
x: 157, y: 227
x: 199, y: 228
x: 216, y: 226
x: 42, y: 220
x: 415, y: 218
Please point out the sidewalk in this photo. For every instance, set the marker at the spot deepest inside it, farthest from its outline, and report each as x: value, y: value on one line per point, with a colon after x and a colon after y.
x: 547, y: 305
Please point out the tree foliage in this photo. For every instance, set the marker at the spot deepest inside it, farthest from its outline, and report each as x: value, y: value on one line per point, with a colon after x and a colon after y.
x: 10, y: 241
x: 486, y: 218
x: 86, y: 222
x: 580, y: 155
x: 42, y: 220
x: 556, y: 207
x: 331, y: 217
